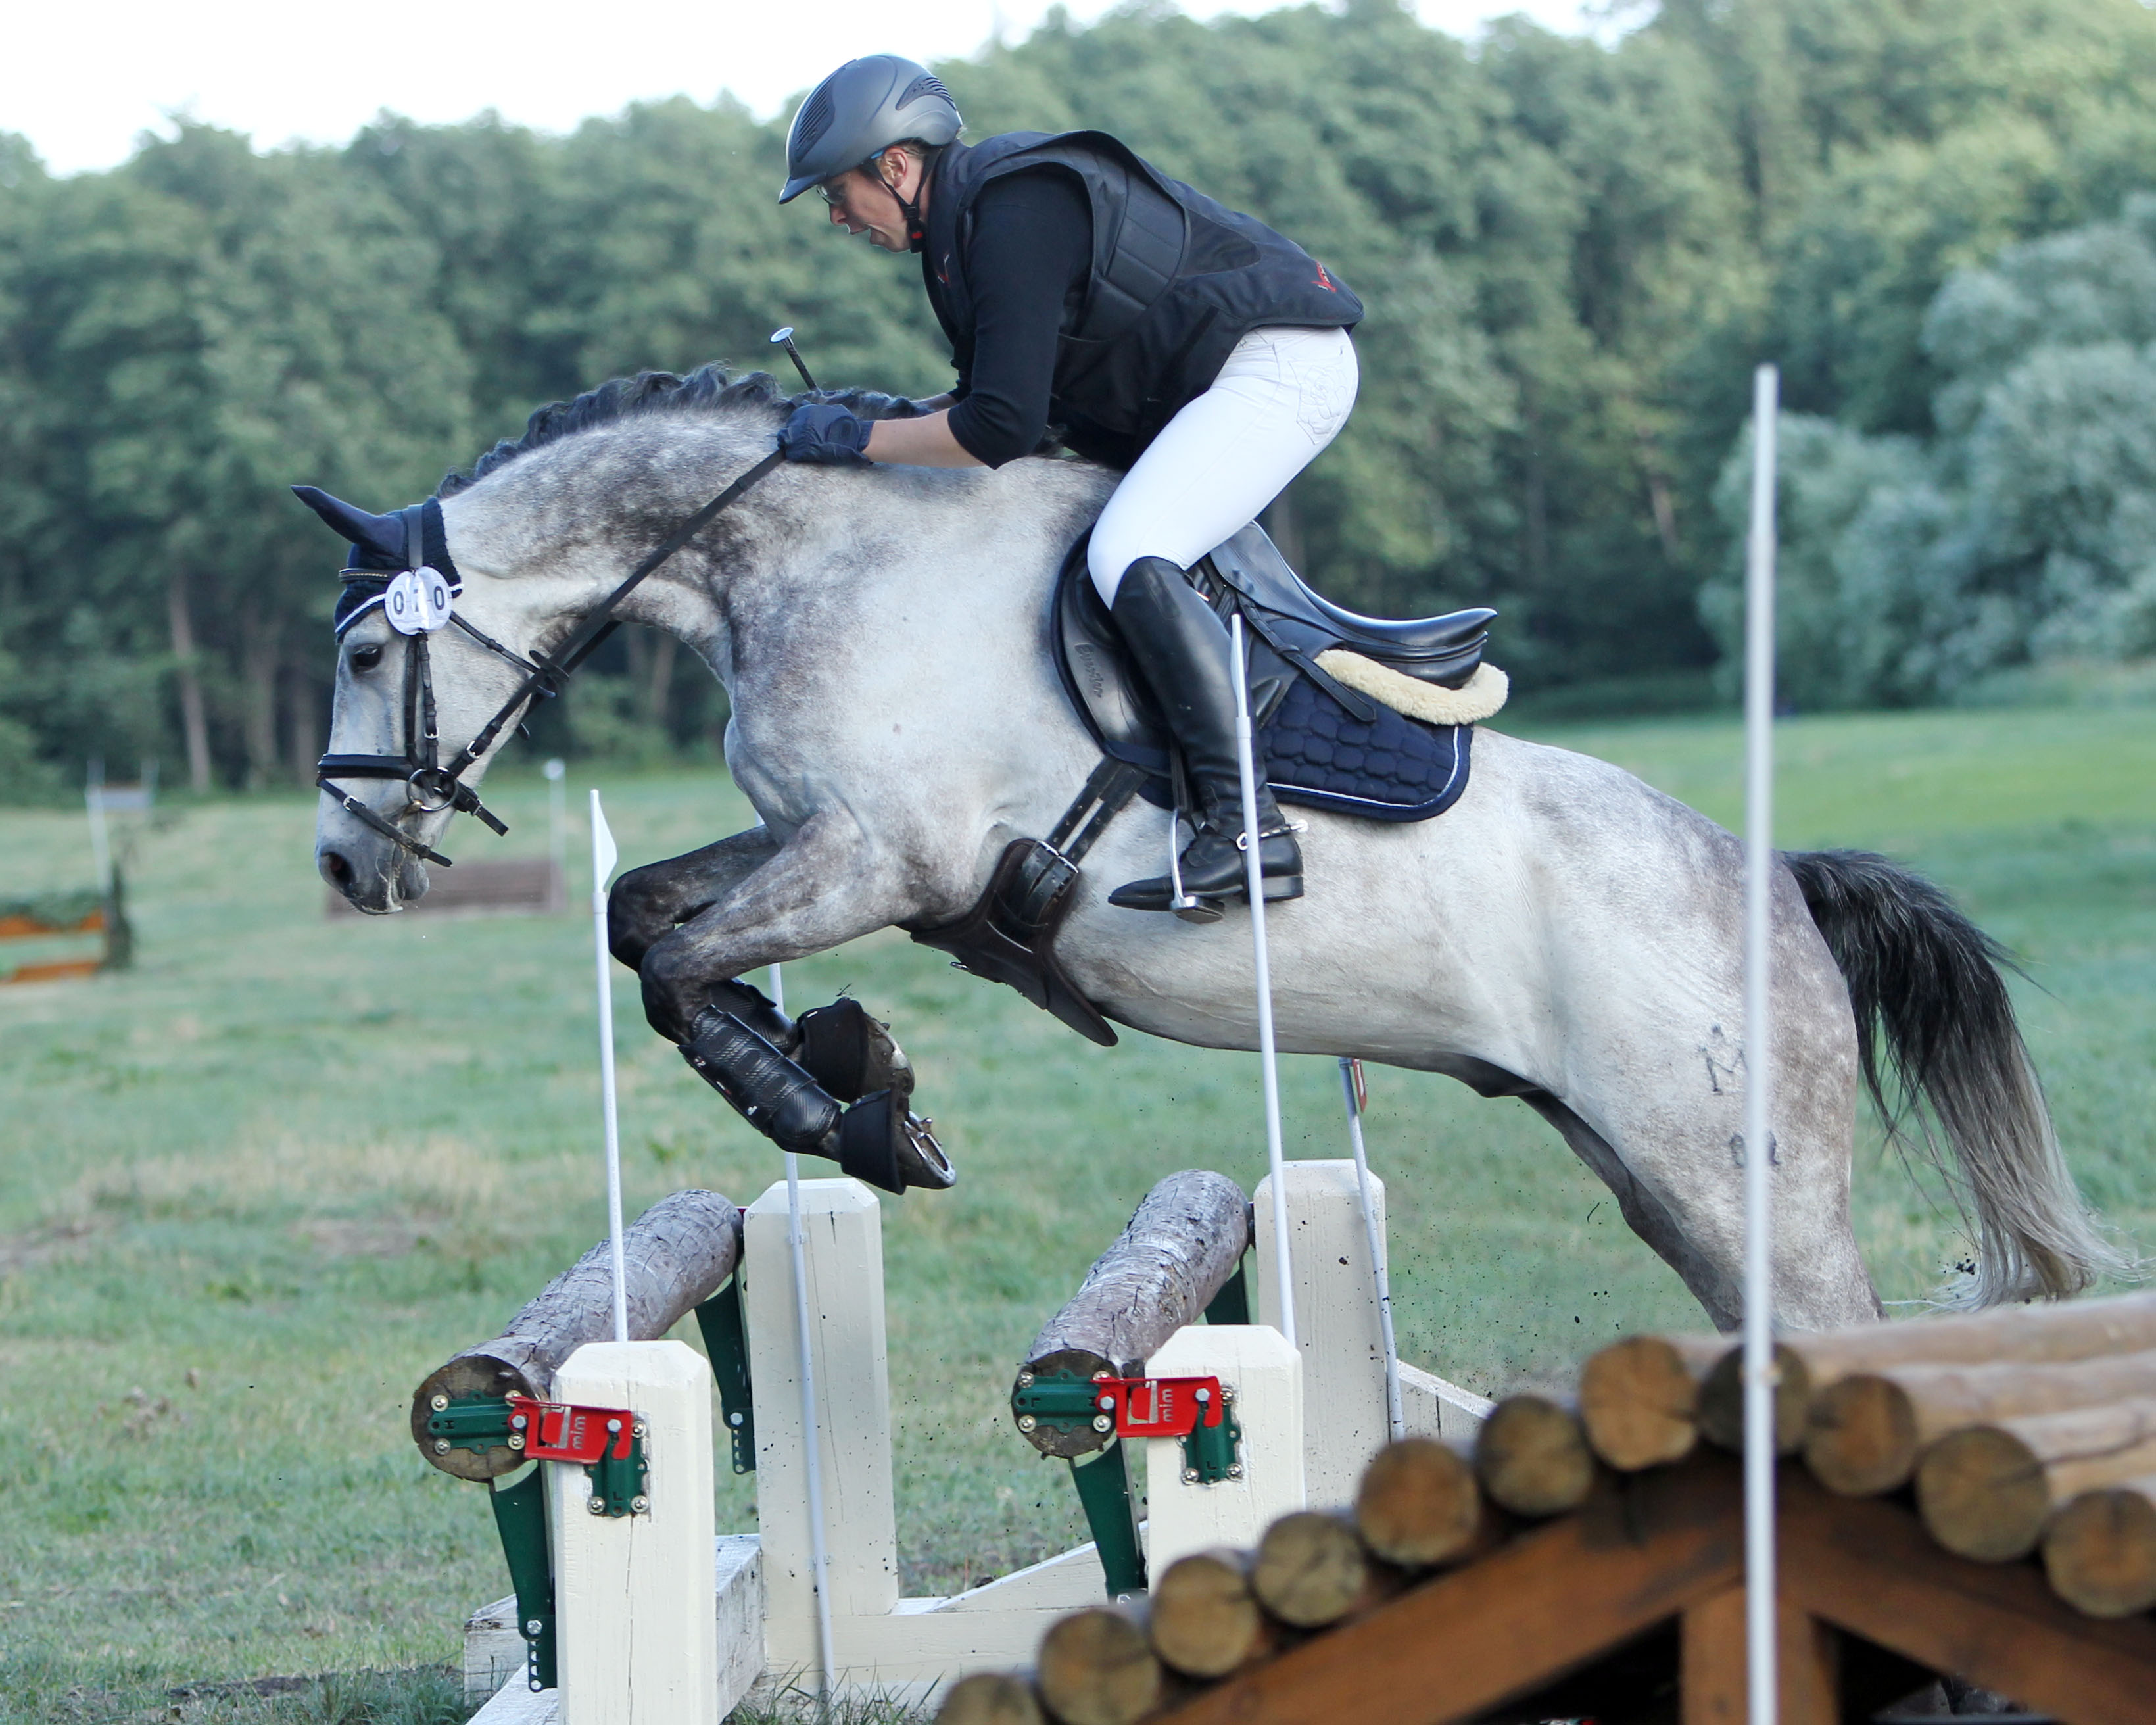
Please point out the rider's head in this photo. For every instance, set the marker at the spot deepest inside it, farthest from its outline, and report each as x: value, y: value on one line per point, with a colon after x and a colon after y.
x: 867, y: 138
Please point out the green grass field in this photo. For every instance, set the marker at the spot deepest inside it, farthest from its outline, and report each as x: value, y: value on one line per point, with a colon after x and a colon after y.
x: 252, y: 1190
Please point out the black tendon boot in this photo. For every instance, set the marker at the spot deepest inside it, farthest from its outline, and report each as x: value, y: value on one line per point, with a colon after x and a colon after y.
x: 1184, y: 655
x: 877, y: 1140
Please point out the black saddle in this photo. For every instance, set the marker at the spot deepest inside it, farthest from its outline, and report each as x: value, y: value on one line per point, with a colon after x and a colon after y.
x: 1290, y: 625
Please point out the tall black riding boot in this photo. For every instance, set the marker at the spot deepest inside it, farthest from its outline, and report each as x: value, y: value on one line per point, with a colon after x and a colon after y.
x: 1184, y: 655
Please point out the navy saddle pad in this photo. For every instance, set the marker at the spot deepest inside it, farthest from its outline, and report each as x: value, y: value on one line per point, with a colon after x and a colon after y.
x: 1318, y: 753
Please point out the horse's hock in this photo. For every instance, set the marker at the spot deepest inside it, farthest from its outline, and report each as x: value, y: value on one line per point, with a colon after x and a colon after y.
x: 1167, y: 1305
x: 1975, y: 1502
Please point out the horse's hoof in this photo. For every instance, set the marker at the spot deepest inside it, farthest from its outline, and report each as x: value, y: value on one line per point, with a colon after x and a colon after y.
x: 850, y: 1054
x: 884, y: 1144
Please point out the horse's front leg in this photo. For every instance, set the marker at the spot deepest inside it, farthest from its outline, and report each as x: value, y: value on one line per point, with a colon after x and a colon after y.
x: 824, y: 886
x: 648, y: 904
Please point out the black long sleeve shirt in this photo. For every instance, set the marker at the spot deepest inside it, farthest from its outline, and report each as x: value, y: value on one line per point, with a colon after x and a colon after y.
x: 1031, y: 260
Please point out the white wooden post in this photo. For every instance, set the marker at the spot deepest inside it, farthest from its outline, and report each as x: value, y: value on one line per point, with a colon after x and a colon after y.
x: 635, y: 1600
x: 1266, y: 1376
x: 842, y: 1259
x: 1340, y: 1329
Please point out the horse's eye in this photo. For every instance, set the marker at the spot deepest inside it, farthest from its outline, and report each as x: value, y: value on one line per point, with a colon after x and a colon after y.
x: 366, y: 658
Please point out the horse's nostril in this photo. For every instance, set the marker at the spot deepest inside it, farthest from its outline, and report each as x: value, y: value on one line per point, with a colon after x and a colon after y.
x: 335, y: 868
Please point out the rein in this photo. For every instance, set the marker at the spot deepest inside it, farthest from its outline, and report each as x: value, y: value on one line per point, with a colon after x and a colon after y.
x: 431, y: 787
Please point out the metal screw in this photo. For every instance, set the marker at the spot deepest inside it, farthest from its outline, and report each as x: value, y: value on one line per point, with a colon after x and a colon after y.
x: 597, y: 1506
x: 441, y: 1447
x: 1190, y: 1475
x: 439, y: 1404
x: 637, y: 1429
x: 1026, y: 1422
x: 1101, y: 1422
x: 1228, y: 1395
x: 1234, y: 1469
x: 518, y: 1423
x: 734, y: 1419
x: 516, y: 1441
x: 1202, y: 1396
x: 1025, y: 1380
x: 639, y: 1506
x: 614, y: 1425
x: 534, y: 1627
x: 1106, y: 1405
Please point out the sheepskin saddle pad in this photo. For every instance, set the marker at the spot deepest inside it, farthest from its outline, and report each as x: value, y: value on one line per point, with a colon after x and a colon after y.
x: 1359, y: 715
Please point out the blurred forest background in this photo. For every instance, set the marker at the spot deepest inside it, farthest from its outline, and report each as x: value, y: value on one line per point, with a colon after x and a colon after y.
x: 1938, y: 216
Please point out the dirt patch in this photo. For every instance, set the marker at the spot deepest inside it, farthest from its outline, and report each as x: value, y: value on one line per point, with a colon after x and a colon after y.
x: 353, y: 1237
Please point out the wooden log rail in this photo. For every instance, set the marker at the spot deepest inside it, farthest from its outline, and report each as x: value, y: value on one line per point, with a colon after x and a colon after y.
x: 1180, y: 1249
x: 676, y: 1256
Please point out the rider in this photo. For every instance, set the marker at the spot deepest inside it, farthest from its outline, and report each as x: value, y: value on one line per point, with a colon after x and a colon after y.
x: 1185, y: 345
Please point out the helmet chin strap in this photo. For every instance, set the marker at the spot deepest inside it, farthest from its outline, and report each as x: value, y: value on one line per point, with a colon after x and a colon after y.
x: 917, y: 230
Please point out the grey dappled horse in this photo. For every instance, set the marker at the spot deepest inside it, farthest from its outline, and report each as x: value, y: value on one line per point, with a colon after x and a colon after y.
x: 1565, y: 934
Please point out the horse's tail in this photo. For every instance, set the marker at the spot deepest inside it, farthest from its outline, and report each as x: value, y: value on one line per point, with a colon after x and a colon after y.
x: 1928, y: 982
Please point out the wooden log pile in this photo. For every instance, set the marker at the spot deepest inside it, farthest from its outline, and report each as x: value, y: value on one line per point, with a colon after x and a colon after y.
x: 1969, y: 1496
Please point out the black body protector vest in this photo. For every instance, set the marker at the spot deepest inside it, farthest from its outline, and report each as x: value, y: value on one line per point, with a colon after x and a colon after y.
x: 1176, y: 280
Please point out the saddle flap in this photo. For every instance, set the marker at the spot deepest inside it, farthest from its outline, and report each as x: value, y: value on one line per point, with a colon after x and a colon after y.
x: 1098, y: 675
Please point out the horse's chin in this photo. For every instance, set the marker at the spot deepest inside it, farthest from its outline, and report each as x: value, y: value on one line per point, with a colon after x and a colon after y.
x: 378, y: 884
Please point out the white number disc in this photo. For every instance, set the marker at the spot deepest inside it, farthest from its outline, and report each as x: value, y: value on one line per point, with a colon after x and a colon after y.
x: 417, y: 602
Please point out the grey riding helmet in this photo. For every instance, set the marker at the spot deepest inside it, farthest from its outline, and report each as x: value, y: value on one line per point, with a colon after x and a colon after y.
x: 860, y: 110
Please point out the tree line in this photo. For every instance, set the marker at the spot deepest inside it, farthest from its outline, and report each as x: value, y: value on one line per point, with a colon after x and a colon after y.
x: 1573, y: 251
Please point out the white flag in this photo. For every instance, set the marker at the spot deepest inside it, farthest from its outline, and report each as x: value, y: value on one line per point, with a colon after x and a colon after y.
x: 604, y: 854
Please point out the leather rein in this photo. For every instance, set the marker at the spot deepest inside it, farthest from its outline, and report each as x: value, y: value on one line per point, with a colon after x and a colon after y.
x: 430, y: 787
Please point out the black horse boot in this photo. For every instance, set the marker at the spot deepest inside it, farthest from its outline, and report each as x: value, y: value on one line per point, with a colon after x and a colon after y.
x: 878, y: 1139
x: 1184, y: 653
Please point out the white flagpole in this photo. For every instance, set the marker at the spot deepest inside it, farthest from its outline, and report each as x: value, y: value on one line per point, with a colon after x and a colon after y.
x: 811, y: 1445
x: 604, y: 857
x: 1759, y: 1580
x: 1268, y: 1056
x: 1396, y: 1419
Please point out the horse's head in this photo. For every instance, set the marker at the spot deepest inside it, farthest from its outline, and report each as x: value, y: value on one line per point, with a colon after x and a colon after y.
x: 423, y: 696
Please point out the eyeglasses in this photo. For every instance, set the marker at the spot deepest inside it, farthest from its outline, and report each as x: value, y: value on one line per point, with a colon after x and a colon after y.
x: 833, y: 193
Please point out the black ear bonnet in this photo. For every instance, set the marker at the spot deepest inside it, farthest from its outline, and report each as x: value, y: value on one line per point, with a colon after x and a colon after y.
x: 382, y: 545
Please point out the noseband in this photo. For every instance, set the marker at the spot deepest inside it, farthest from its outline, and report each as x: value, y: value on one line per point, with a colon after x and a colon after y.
x: 429, y: 786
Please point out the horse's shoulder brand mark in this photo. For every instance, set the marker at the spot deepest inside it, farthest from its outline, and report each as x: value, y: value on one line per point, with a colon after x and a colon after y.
x: 1724, y: 1059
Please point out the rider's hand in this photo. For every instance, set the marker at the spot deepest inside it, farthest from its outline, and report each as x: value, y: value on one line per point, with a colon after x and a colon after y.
x: 826, y: 433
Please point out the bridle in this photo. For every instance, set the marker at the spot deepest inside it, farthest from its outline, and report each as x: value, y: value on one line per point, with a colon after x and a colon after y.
x: 429, y: 786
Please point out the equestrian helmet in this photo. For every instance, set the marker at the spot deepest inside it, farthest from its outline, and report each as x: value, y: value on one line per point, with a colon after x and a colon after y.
x: 860, y: 110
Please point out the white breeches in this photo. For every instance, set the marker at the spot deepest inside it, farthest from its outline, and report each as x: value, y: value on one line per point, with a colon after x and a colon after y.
x: 1282, y: 396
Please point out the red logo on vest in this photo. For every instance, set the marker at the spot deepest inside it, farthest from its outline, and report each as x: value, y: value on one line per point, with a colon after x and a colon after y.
x: 1324, y: 280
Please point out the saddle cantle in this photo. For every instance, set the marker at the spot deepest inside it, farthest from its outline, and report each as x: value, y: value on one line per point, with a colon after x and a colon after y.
x: 1436, y: 649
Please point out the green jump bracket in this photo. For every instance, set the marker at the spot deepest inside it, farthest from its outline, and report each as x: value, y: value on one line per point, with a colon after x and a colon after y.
x: 1232, y: 1304
x: 1104, y: 1491
x: 478, y: 1423
x: 520, y: 1516
x: 726, y: 1340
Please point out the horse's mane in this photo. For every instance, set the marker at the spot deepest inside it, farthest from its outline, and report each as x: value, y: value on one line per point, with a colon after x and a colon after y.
x: 710, y: 388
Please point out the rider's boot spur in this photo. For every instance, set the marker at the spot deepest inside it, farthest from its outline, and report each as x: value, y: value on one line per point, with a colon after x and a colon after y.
x: 1184, y: 653
x: 877, y: 1139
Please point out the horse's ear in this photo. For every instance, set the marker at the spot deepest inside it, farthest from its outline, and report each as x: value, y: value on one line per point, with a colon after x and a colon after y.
x: 382, y: 534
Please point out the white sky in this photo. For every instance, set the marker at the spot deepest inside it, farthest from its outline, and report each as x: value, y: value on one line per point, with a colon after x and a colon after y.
x: 82, y: 80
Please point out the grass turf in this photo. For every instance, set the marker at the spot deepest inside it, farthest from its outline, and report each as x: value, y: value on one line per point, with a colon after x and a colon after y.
x: 252, y: 1190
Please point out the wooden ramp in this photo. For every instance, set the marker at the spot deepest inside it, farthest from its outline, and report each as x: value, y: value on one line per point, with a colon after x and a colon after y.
x: 1636, y: 1602
x: 1976, y: 1500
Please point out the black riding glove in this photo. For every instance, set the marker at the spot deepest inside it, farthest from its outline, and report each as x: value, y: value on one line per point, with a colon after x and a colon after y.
x: 825, y: 434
